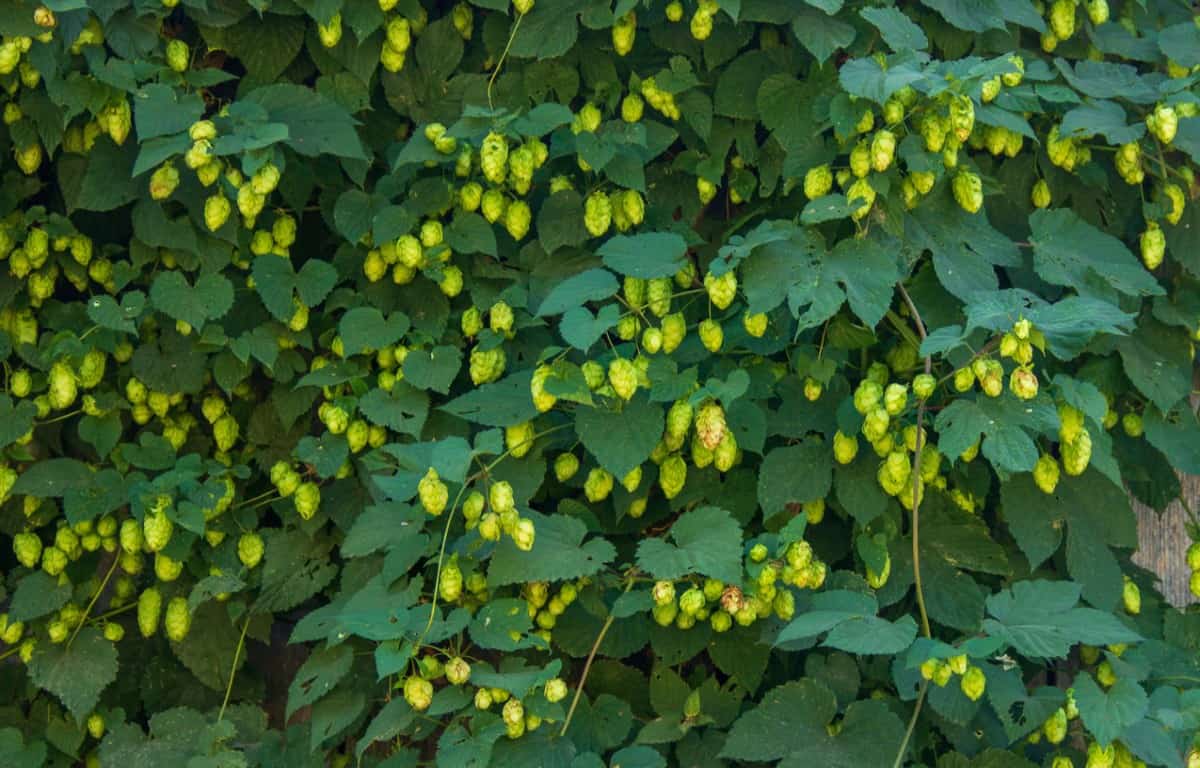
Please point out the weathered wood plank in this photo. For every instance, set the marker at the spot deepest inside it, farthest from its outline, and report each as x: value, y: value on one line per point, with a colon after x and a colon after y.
x: 1163, y: 542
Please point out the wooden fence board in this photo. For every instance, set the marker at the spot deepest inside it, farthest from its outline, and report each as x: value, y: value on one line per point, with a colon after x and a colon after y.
x: 1163, y: 542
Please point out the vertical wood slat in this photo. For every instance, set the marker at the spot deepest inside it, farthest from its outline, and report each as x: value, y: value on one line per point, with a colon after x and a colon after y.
x: 1163, y: 543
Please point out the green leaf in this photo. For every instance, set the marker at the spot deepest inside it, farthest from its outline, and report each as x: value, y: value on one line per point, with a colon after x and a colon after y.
x: 209, y: 299
x: 821, y: 34
x: 470, y: 233
x: 828, y: 610
x: 707, y: 541
x: 37, y: 594
x: 1177, y: 435
x: 581, y: 329
x: 403, y: 409
x: 793, y: 475
x: 647, y: 255
x: 559, y: 552
x: 53, y: 478
x: 789, y: 725
x: 1005, y: 424
x: 354, y: 213
x: 14, y: 752
x: 868, y: 79
x: 591, y: 285
x: 278, y: 284
x: 1103, y: 117
x: 496, y: 623
x: 76, y: 673
x: 365, y: 329
x: 332, y: 714
x: 1070, y: 252
x: 101, y: 181
x: 318, y: 675
x: 982, y: 15
x: 392, y: 719
x: 1157, y: 359
x: 870, y: 635
x: 548, y: 31
x: 1041, y: 619
x: 160, y: 110
x: 106, y: 313
x: 1107, y: 713
x: 315, y: 125
x: 15, y: 421
x: 499, y: 404
x: 433, y: 369
x: 326, y: 454
x: 898, y: 31
x: 620, y: 440
x: 560, y: 221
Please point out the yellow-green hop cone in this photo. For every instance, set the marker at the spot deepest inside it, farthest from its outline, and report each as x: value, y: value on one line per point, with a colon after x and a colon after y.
x: 157, y: 528
x: 1046, y: 473
x: 962, y: 117
x: 418, y: 692
x: 674, y: 330
x: 860, y: 159
x: 701, y: 25
x: 1153, y: 245
x: 755, y: 324
x: 623, y: 33
x: 973, y: 683
x: 433, y: 493
x: 599, y: 484
x: 163, y: 181
x: 565, y: 466
x: 726, y: 453
x: 542, y: 400
x: 216, y: 212
x: 632, y: 108
x: 863, y: 192
x: 623, y: 377
x: 250, y: 549
x: 517, y: 219
x: 883, y: 150
x: 63, y: 386
x: 1101, y: 757
x: 721, y: 290
x: 149, y: 607
x: 845, y: 447
x: 817, y: 182
x: 493, y: 158
x: 705, y: 190
x: 500, y: 497
x: 450, y: 582
x: 1078, y: 454
x: 1132, y: 424
x: 1163, y: 122
x: 1040, y: 196
x: 968, y: 191
x: 1062, y: 18
x: 518, y: 439
x: 524, y: 534
x: 711, y: 335
x: 1131, y: 597
x: 177, y: 620
x: 307, y: 499
x: 878, y: 580
x: 597, y: 213
x: 1097, y: 11
x: 1055, y: 726
x: 1023, y: 383
x: 27, y: 546
x: 672, y: 475
x: 487, y: 365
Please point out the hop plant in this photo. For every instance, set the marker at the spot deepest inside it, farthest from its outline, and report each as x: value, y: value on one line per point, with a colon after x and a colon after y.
x: 433, y: 493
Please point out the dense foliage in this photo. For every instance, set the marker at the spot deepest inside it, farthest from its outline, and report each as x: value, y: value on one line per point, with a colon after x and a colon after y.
x: 585, y: 383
